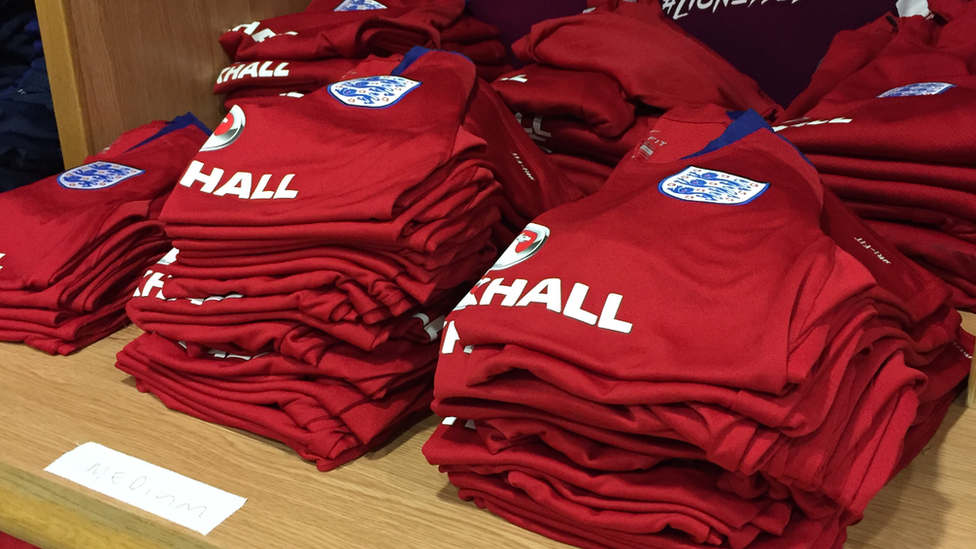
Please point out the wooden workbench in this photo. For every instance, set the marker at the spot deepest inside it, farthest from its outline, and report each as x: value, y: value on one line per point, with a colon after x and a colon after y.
x: 389, y: 499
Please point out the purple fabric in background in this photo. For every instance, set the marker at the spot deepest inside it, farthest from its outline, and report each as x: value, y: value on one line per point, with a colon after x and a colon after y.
x: 779, y: 43
x: 516, y: 17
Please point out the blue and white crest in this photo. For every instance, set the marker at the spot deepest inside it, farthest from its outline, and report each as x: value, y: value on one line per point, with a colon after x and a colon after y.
x: 359, y: 5
x: 712, y: 186
x: 97, y: 175
x: 919, y: 88
x: 373, y: 92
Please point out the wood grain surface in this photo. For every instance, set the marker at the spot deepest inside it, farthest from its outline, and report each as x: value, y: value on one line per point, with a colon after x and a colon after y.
x: 62, y: 69
x: 117, y: 64
x: 390, y: 498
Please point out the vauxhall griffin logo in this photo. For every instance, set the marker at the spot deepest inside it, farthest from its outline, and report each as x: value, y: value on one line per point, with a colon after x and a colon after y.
x: 525, y: 245
x: 227, y: 132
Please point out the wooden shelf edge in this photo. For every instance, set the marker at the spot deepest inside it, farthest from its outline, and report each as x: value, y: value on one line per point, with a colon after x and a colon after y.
x: 971, y: 396
x: 54, y: 17
x: 45, y: 513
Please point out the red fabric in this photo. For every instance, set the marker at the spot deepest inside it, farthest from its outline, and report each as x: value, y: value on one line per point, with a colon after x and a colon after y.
x: 298, y: 258
x: 514, y: 497
x: 850, y: 51
x: 571, y: 136
x: 942, y: 250
x: 885, y: 122
x: 592, y: 97
x: 459, y: 208
x: 341, y: 291
x: 913, y: 291
x: 488, y: 52
x: 921, y: 129
x: 283, y: 76
x: 97, y: 278
x: 795, y: 212
x: 936, y: 51
x: 373, y: 374
x: 369, y: 272
x: 467, y: 30
x: 73, y: 255
x: 433, y: 183
x: 731, y: 441
x: 664, y: 67
x: 490, y: 73
x: 529, y: 181
x: 322, y: 420
x: 9, y: 542
x: 958, y: 227
x: 887, y: 138
x: 949, y: 9
x: 49, y: 230
x: 579, y: 442
x: 586, y: 175
x: 274, y: 317
x: 319, y: 120
x: 946, y: 176
x: 322, y: 33
x: 683, y: 492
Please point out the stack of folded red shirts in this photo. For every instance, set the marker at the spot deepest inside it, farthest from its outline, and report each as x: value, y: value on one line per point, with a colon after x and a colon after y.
x: 884, y: 123
x: 582, y: 99
x: 75, y: 244
x: 329, y: 235
x: 302, y: 52
x: 711, y: 350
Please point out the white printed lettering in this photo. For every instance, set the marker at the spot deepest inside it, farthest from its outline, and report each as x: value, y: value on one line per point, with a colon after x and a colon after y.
x: 281, y: 70
x: 549, y: 292
x: 221, y: 77
x: 194, y: 173
x: 511, y: 293
x: 248, y: 28
x: 250, y: 70
x: 574, y: 305
x: 800, y: 124
x: 537, y: 128
x: 259, y: 192
x: 283, y: 191
x: 155, y: 281
x: 608, y: 316
x: 522, y: 165
x: 469, y: 298
x: 451, y: 338
x: 239, y: 184
x: 535, y: 132
x: 263, y: 35
x: 265, y: 70
x: 864, y: 244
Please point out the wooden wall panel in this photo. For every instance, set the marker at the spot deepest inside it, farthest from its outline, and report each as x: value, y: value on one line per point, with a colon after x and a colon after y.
x: 116, y: 64
x: 62, y: 68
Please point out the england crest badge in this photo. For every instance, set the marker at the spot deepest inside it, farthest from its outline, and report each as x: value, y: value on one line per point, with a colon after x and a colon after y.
x: 696, y: 184
x: 97, y: 175
x: 373, y: 92
x: 918, y: 88
x: 359, y: 5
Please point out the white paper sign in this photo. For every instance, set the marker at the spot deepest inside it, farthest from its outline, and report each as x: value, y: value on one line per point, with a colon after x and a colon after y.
x: 174, y: 497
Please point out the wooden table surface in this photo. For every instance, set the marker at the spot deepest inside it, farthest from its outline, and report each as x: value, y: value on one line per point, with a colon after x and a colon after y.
x: 390, y: 498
